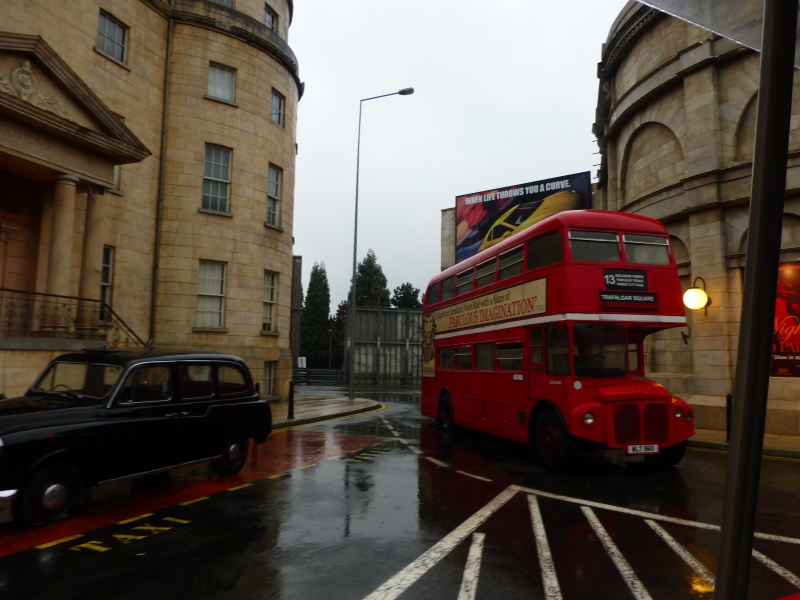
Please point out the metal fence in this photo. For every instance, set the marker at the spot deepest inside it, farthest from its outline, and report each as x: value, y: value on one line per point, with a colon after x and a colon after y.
x: 387, y: 347
x: 31, y: 315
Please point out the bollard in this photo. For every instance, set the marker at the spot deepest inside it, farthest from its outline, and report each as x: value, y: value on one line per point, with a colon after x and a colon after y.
x: 291, y: 401
x: 728, y: 412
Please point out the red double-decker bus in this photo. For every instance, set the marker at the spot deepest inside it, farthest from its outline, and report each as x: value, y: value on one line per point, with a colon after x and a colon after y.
x: 540, y: 339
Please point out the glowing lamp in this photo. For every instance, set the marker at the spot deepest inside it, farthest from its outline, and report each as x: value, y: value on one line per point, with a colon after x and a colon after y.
x: 695, y: 297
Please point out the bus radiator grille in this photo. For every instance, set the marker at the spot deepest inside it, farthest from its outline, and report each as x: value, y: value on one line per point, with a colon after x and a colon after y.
x: 626, y: 423
x: 656, y: 423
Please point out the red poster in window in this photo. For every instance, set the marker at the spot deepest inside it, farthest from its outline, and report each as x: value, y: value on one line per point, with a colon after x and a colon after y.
x: 786, y: 335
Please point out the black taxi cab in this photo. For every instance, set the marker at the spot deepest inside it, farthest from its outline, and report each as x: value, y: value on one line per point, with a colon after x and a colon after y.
x: 100, y: 415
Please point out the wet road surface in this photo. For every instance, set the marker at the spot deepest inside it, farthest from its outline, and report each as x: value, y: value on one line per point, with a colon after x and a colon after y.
x: 385, y: 506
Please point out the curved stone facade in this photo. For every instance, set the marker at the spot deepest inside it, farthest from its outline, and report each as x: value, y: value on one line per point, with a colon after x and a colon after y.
x: 160, y: 173
x: 675, y: 124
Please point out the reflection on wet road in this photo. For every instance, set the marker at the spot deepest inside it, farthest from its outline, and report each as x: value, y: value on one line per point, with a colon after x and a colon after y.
x: 384, y: 506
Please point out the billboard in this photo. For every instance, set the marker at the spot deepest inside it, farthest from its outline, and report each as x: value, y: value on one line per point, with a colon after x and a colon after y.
x: 486, y: 218
x: 786, y: 333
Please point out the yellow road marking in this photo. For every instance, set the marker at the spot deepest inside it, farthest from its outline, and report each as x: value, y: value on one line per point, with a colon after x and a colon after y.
x: 239, y: 487
x: 188, y: 502
x: 61, y: 541
x: 132, y: 519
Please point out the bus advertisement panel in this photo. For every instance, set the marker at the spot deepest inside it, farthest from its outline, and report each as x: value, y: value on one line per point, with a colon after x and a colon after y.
x: 486, y: 218
x: 540, y: 339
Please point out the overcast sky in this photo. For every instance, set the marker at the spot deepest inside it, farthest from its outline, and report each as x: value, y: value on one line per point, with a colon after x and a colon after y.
x: 505, y: 93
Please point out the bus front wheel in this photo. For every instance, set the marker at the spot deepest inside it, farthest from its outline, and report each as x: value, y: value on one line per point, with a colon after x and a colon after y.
x: 552, y: 442
x: 445, y: 413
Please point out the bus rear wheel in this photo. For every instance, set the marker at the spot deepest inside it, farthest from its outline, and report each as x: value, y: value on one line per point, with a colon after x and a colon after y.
x: 552, y: 442
x: 445, y: 413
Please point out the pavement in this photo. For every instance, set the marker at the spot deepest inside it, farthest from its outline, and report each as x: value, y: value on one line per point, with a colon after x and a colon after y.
x: 312, y: 409
x: 316, y: 408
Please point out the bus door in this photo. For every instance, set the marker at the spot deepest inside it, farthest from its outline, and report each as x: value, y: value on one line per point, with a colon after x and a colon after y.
x: 550, y: 363
x: 508, y: 411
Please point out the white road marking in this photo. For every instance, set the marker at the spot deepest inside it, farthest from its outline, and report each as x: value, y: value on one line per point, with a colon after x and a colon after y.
x: 405, y: 578
x: 634, y: 584
x: 785, y: 573
x: 687, y: 556
x: 552, y: 591
x: 401, y: 581
x: 437, y: 462
x: 469, y: 583
x: 473, y: 476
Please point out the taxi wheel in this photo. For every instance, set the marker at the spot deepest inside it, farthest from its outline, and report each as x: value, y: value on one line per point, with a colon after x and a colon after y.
x: 234, y: 455
x: 670, y: 456
x: 553, y: 445
x: 51, y: 494
x: 445, y: 413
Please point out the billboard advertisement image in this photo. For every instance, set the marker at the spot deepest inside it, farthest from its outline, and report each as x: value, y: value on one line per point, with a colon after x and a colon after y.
x: 486, y: 218
x: 786, y: 332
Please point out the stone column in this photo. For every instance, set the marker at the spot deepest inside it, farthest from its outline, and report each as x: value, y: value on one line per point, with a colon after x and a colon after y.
x: 60, y: 259
x: 91, y: 262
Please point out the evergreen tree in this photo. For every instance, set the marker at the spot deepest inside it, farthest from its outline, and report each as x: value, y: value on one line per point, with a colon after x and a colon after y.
x: 371, y: 284
x: 406, y: 296
x: 315, y: 319
x: 339, y: 327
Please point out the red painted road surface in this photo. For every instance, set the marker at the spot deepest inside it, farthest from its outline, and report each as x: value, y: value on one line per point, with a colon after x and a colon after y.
x: 115, y: 502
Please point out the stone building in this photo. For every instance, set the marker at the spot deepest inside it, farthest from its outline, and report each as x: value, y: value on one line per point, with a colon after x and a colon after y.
x: 147, y: 153
x: 675, y: 123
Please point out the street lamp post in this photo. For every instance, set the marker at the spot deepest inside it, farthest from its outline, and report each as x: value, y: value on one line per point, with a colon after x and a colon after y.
x: 351, y: 312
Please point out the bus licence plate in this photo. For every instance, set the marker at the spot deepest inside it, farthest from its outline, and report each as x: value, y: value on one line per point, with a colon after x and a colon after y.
x: 643, y: 449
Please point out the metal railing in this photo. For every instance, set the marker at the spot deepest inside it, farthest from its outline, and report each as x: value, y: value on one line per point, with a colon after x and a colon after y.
x: 35, y: 315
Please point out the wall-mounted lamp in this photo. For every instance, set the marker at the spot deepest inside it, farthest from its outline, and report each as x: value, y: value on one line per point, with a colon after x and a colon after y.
x: 697, y: 298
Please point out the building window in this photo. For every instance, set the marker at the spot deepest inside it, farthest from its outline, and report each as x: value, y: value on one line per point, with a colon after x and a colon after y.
x: 277, y: 108
x: 211, y: 294
x: 106, y: 282
x: 269, y: 378
x: 270, y: 18
x: 112, y: 37
x: 228, y: 3
x: 221, y: 82
x: 270, y: 286
x: 274, y: 195
x: 216, y: 178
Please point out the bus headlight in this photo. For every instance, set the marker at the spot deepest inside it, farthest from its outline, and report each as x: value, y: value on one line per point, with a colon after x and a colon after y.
x: 678, y: 413
x: 688, y: 418
x: 588, y: 418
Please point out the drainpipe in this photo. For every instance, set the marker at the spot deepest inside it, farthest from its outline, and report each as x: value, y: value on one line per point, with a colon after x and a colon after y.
x: 161, y: 168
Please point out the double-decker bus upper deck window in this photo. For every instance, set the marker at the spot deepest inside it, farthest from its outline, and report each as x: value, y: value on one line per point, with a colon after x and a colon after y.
x: 464, y: 282
x: 433, y: 294
x: 484, y: 357
x: 545, y: 250
x: 600, y: 350
x: 646, y: 249
x: 446, y: 359
x: 594, y: 246
x: 484, y: 273
x: 448, y: 288
x: 509, y: 356
x: 463, y: 358
x: 511, y: 263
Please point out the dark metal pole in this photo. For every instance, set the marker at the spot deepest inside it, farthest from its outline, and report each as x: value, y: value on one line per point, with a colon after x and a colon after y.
x: 351, y: 312
x: 751, y: 385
